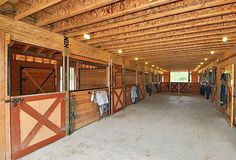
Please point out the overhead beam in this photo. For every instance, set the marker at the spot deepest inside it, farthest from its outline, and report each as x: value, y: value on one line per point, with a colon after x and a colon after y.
x: 108, y: 12
x: 2, y: 2
x: 25, y: 9
x: 203, y: 23
x: 194, y: 47
x: 73, y: 8
x: 188, y: 6
x: 26, y: 47
x: 166, y: 21
x: 174, y: 40
x: 178, y: 35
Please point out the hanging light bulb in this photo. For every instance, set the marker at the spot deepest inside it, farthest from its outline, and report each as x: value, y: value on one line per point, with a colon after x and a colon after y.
x: 87, y: 36
x: 120, y: 51
x: 225, y: 39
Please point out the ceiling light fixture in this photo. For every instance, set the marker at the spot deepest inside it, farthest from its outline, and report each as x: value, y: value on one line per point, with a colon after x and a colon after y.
x: 120, y: 51
x: 146, y: 62
x: 212, y: 52
x: 136, y: 58
x: 201, y: 63
x: 225, y: 39
x: 153, y: 65
x: 205, y: 59
x: 87, y: 36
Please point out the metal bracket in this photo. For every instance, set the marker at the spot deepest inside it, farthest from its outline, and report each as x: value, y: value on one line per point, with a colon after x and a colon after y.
x: 14, y: 101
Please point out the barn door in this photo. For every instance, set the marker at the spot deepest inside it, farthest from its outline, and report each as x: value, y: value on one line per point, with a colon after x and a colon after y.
x: 36, y: 121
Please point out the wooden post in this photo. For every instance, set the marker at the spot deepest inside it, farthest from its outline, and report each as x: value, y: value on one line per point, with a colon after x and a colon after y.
x: 232, y: 97
x: 5, y: 141
x: 109, y: 84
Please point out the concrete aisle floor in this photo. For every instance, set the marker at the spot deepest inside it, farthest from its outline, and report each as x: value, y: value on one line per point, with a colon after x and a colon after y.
x: 162, y: 127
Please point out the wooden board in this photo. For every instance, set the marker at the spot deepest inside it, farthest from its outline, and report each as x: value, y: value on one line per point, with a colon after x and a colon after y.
x: 5, y: 142
x: 86, y: 111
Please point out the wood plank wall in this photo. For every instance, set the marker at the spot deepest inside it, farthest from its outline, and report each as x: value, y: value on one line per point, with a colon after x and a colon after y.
x: 93, y: 78
x: 86, y: 111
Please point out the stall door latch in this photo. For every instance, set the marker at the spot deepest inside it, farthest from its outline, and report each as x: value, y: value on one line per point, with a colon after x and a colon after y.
x: 14, y: 101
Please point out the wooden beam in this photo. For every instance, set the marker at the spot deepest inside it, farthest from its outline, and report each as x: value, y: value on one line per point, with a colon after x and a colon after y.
x: 176, y: 48
x: 166, y: 21
x: 195, y: 24
x: 5, y: 142
x: 66, y: 10
x: 207, y: 38
x: 29, y: 34
x: 108, y: 12
x: 38, y: 51
x: 178, y: 35
x: 26, y: 47
x: 2, y: 2
x: 192, y: 6
x: 25, y: 9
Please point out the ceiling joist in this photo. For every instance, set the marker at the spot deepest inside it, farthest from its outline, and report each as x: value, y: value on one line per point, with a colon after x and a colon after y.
x: 25, y: 9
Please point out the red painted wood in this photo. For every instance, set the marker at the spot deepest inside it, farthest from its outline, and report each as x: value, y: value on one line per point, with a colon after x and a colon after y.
x: 20, y: 149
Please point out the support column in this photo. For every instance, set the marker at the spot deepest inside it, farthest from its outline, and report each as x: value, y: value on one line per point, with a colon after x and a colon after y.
x: 5, y: 141
x: 66, y: 80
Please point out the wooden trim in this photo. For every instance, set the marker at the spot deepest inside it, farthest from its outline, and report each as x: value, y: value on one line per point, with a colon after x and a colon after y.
x: 5, y: 141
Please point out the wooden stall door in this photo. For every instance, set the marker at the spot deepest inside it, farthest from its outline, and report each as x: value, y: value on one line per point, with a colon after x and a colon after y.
x: 184, y: 87
x: 37, y: 80
x: 118, y: 102
x: 36, y: 121
x: 174, y: 87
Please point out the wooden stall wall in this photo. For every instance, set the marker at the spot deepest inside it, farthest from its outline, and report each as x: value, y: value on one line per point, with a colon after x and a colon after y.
x: 94, y: 78
x: 229, y: 59
x: 86, y: 111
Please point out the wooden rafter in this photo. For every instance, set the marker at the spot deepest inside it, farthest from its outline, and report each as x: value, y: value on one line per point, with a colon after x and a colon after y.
x: 26, y: 47
x: 2, y: 2
x: 176, y: 13
x: 36, y: 6
x: 225, y: 28
x: 108, y: 12
x: 177, y: 48
x: 203, y: 24
x: 73, y: 8
x: 167, y: 22
x: 38, y: 51
x: 188, y: 40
